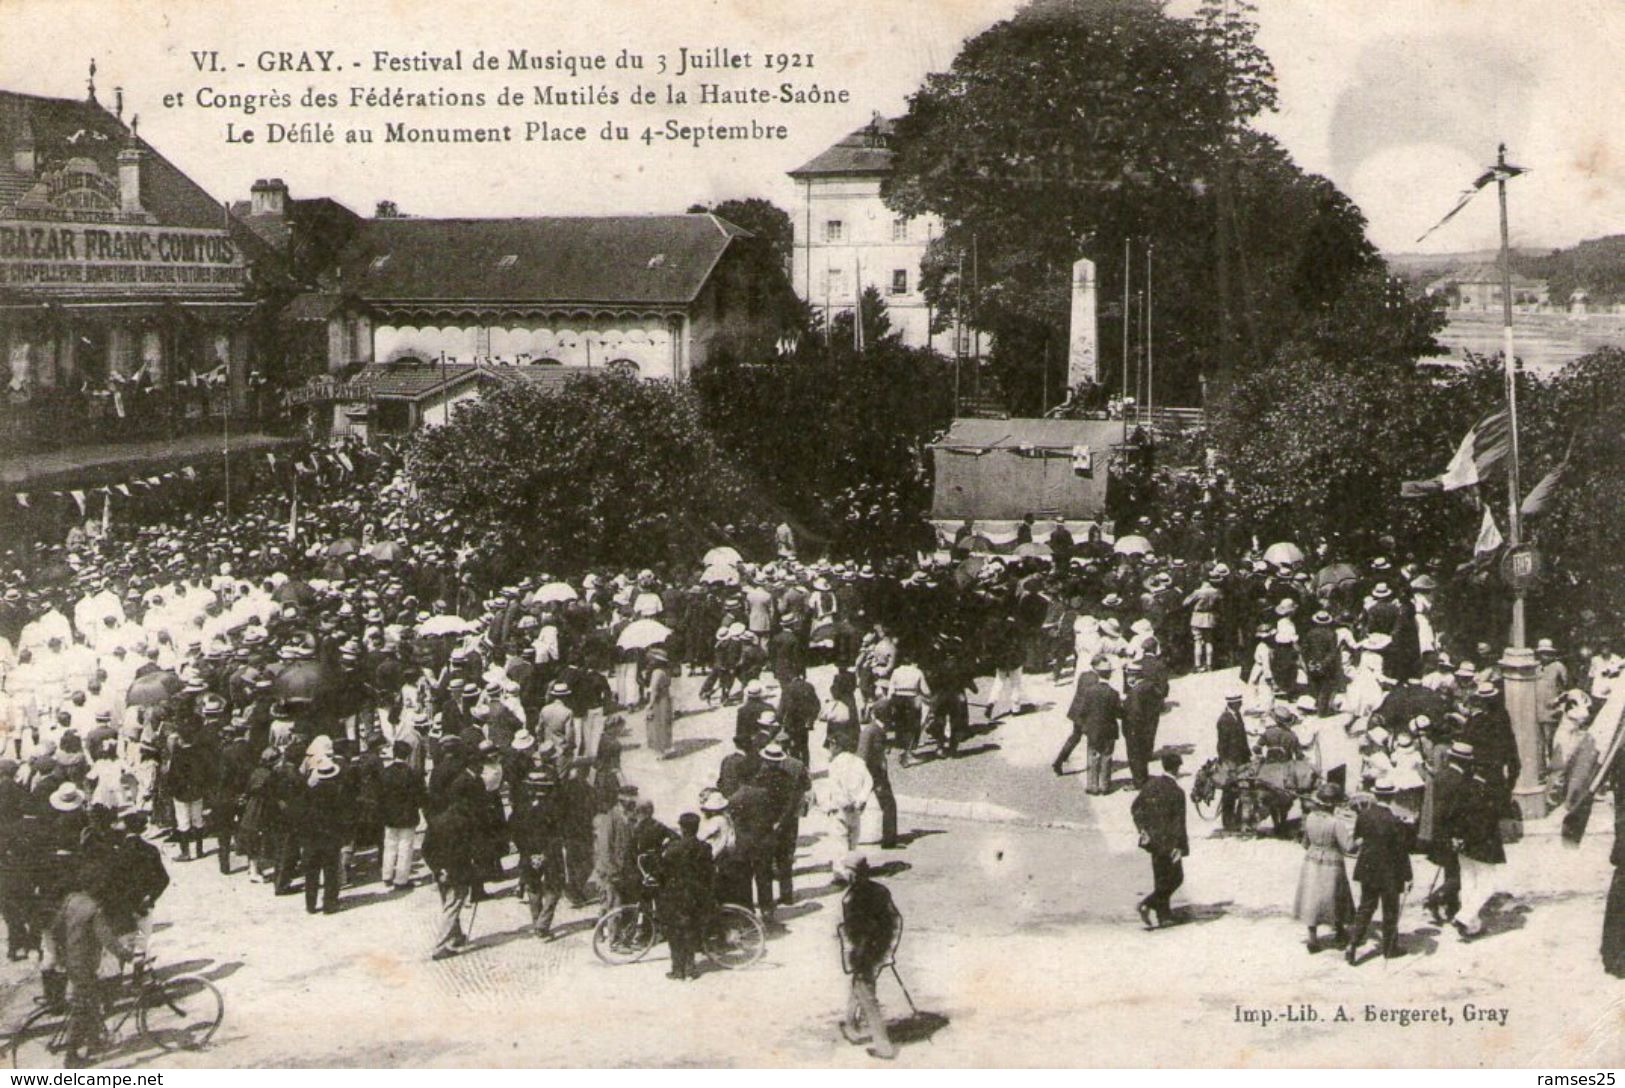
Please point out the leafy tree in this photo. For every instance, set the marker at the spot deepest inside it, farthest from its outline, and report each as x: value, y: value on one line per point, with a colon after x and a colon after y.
x: 763, y: 276
x: 606, y: 470
x: 1079, y: 125
x: 836, y: 437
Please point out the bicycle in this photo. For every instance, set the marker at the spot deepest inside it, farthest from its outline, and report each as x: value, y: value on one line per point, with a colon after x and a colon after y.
x: 180, y: 1013
x: 733, y: 939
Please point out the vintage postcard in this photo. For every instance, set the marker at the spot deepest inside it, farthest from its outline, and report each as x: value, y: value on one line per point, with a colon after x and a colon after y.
x: 923, y: 533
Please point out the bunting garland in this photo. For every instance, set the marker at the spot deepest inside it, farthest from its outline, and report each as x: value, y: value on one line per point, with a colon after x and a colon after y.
x: 312, y: 463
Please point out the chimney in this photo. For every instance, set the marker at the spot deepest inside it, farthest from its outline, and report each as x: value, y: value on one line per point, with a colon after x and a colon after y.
x: 129, y: 178
x: 22, y: 147
x: 269, y: 197
x: 1083, y: 356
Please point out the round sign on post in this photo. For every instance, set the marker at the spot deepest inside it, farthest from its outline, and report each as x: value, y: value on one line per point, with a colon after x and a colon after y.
x: 1521, y: 567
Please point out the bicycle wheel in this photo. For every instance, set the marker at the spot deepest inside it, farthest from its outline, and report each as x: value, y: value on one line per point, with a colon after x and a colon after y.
x: 624, y: 935
x: 181, y: 1013
x: 735, y: 939
x: 39, y: 1043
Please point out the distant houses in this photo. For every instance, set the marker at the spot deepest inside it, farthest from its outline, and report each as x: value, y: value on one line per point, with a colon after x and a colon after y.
x: 1479, y: 289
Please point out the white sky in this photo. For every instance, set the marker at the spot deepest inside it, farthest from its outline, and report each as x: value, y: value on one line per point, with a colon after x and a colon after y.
x: 1398, y: 101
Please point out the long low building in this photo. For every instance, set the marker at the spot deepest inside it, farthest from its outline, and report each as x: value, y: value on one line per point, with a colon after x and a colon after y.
x: 416, y: 304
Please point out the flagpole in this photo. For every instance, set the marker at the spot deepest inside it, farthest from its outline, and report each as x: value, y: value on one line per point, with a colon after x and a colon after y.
x: 1518, y: 666
x: 1509, y: 362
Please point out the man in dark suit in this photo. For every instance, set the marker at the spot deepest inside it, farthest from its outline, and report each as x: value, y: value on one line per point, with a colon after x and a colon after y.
x: 1449, y: 790
x: 872, y: 750
x: 324, y: 824
x: 684, y: 903
x: 1235, y: 752
x: 1142, y: 708
x: 1383, y: 871
x: 1095, y: 713
x: 1159, y: 814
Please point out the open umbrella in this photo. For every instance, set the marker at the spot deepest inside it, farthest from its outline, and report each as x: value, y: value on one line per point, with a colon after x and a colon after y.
x: 344, y: 545
x: 1033, y: 550
x: 294, y: 591
x: 387, y: 551
x: 444, y: 625
x: 1132, y: 545
x: 1336, y: 574
x: 966, y: 570
x: 302, y: 680
x: 723, y: 556
x: 153, y: 688
x: 719, y: 574
x: 1283, y: 554
x: 555, y: 593
x: 641, y: 634
x: 648, y: 604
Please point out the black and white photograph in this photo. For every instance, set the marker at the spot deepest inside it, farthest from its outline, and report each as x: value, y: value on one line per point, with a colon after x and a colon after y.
x: 857, y: 535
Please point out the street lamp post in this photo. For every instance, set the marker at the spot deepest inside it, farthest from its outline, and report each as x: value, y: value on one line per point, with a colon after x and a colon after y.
x: 1518, y: 662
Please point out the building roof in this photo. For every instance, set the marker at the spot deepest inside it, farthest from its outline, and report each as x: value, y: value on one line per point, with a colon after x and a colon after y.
x: 655, y: 259
x: 65, y: 129
x: 1045, y: 434
x: 1488, y: 272
x: 863, y: 153
x: 419, y: 381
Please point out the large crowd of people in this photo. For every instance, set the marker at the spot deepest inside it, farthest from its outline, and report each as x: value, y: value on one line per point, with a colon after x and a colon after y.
x: 328, y: 691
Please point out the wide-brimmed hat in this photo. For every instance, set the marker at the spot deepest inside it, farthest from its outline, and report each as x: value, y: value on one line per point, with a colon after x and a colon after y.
x: 712, y: 800
x: 523, y: 741
x: 1381, y: 591
x: 1322, y: 618
x: 1486, y: 690
x: 325, y: 768
x: 773, y: 754
x: 559, y: 688
x: 68, y: 798
x: 1545, y: 646
x: 1462, y: 750
x: 1111, y: 600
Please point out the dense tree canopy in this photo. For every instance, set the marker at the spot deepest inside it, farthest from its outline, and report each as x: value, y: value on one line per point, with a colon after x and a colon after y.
x: 837, y: 437
x: 608, y: 469
x: 1080, y: 125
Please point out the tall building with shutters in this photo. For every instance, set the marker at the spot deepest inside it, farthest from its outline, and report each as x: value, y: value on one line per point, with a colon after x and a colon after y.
x: 846, y: 238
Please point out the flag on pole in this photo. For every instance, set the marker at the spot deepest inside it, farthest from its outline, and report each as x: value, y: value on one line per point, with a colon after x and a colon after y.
x: 22, y: 499
x: 123, y: 489
x: 1541, y: 494
x: 1486, y: 443
x: 1494, y: 173
x: 79, y: 500
x: 1489, y: 537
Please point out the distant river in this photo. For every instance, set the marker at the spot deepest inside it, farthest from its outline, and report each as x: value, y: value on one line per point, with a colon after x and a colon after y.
x: 1545, y: 342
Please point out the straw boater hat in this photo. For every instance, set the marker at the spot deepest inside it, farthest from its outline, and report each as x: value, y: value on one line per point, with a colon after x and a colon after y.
x: 1381, y: 591
x: 68, y: 798
x: 713, y: 800
x: 559, y: 689
x: 772, y: 753
x: 1461, y: 751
